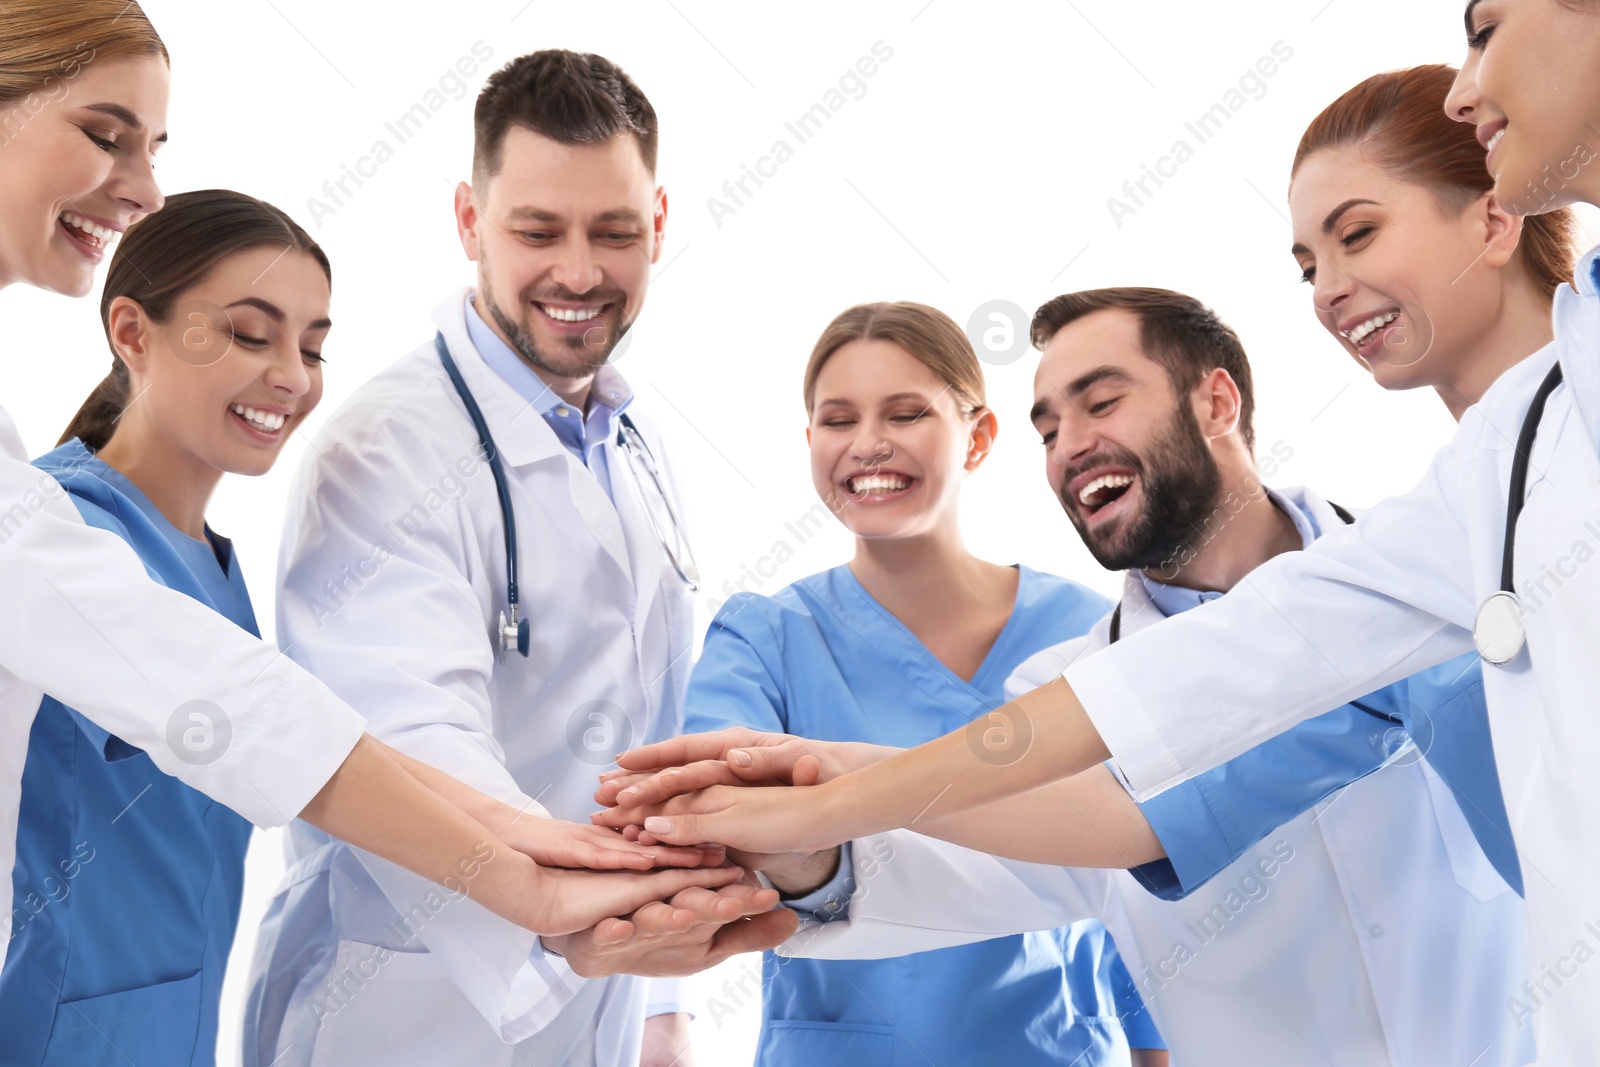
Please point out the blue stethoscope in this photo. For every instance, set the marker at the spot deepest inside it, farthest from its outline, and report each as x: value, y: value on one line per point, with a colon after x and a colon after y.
x: 514, y: 632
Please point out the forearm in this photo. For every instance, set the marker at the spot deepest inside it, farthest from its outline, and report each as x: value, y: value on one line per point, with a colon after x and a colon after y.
x: 376, y: 805
x: 1039, y: 738
x: 485, y: 809
x: 1087, y: 820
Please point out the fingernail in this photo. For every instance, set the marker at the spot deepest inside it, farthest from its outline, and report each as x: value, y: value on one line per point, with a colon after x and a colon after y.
x: 657, y: 825
x: 628, y: 794
x: 740, y: 758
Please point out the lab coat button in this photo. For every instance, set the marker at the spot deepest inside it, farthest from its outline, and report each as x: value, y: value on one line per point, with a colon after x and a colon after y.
x: 1377, y: 930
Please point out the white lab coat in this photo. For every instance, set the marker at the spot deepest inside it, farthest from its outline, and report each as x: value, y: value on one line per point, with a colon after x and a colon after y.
x: 1398, y: 591
x: 85, y: 623
x: 1370, y: 931
x: 393, y: 567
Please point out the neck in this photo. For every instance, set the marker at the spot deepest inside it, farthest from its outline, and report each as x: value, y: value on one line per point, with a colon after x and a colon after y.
x: 572, y: 391
x: 1242, y: 541
x: 918, y: 575
x: 177, y: 481
x: 1521, y: 328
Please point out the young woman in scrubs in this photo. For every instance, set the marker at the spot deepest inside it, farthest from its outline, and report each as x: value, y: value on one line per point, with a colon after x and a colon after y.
x: 83, y: 92
x: 914, y: 623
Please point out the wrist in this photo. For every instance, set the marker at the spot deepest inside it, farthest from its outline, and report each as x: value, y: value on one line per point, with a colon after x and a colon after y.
x: 800, y: 874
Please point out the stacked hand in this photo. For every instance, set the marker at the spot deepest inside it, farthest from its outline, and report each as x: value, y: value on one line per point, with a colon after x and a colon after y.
x: 733, y: 787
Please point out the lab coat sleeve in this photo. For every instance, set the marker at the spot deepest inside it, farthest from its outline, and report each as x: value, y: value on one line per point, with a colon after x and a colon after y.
x: 979, y: 897
x: 212, y: 706
x: 385, y: 614
x: 667, y: 996
x: 1360, y: 609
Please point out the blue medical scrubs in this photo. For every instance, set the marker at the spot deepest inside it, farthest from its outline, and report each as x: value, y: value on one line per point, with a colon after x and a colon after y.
x: 127, y: 882
x: 1208, y: 821
x: 823, y: 659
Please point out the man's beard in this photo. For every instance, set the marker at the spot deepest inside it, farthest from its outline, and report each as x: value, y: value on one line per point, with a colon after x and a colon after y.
x: 579, y: 359
x: 1181, y: 484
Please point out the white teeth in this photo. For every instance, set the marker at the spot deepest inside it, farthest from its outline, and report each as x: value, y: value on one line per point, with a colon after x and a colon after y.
x: 867, y: 484
x: 569, y: 314
x: 265, y: 421
x: 1501, y: 132
x: 1359, y: 333
x: 1105, y: 481
x: 97, y: 235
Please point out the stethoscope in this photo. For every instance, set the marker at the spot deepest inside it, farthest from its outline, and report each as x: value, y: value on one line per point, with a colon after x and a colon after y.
x: 1498, y: 630
x: 515, y: 632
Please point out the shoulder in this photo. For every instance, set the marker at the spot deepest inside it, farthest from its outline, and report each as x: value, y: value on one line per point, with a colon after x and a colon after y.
x: 792, y: 612
x: 1069, y: 604
x: 99, y: 503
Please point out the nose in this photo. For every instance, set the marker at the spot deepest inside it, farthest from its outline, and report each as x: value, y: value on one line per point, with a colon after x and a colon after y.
x: 870, y: 445
x: 576, y: 269
x: 1331, y: 290
x: 287, y: 376
x: 1463, y: 102
x: 1075, y: 439
x: 133, y: 184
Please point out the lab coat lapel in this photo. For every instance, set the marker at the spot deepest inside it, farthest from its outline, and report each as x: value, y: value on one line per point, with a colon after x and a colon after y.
x: 645, y: 550
x: 525, y: 439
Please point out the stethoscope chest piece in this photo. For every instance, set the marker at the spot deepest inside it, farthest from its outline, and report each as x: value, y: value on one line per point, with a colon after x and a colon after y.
x: 513, y: 634
x: 1498, y: 631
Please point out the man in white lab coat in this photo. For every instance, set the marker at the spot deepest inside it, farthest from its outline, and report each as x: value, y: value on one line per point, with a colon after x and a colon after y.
x: 395, y: 567
x: 1323, y: 941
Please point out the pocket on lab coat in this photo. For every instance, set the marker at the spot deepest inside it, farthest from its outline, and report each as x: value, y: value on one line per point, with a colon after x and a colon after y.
x: 151, y: 1024
x: 806, y: 1043
x: 382, y: 1006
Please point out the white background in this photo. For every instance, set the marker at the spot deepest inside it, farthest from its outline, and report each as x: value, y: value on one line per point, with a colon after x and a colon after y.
x: 975, y: 166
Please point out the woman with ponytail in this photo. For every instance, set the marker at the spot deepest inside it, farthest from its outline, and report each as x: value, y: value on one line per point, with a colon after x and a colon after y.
x: 154, y: 670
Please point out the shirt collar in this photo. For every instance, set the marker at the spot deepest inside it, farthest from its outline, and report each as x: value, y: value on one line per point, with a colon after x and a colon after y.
x: 1173, y: 599
x: 610, y: 390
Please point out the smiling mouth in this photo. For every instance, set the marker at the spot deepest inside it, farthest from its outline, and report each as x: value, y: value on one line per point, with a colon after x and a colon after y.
x: 570, y: 315
x: 1103, y: 491
x: 266, y: 422
x: 85, y: 232
x: 877, y: 484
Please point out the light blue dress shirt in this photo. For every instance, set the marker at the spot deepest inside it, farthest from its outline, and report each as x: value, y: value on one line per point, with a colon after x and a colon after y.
x: 1207, y: 822
x: 583, y: 436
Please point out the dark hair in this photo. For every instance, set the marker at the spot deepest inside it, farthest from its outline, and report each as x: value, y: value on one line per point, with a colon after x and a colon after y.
x: 1176, y: 331
x: 164, y: 255
x: 927, y: 334
x: 1399, y: 117
x: 570, y: 97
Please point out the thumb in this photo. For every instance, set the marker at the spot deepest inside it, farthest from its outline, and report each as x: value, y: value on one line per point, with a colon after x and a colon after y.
x: 767, y: 762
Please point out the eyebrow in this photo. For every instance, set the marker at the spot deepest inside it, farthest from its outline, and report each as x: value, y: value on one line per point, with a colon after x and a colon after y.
x: 1333, y: 220
x: 539, y: 214
x: 273, y: 312
x: 914, y: 397
x: 1467, y: 16
x: 124, y: 116
x: 1082, y: 384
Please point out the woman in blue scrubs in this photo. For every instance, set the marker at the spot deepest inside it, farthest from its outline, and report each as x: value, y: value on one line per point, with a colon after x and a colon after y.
x: 917, y: 623
x: 121, y: 959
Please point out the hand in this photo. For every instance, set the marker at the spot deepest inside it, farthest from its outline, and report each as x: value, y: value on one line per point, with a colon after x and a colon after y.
x: 694, y: 930
x: 565, y: 901
x: 557, y: 843
x: 762, y: 819
x: 736, y: 756
x: 666, y: 1041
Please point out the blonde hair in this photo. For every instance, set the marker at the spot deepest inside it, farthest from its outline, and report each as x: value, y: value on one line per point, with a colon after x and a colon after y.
x: 44, y: 44
x: 927, y: 334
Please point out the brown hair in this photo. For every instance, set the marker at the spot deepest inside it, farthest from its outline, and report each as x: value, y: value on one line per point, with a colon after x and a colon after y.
x: 569, y: 97
x: 161, y: 257
x: 1177, y: 331
x: 927, y: 334
x: 1399, y: 118
x: 44, y: 44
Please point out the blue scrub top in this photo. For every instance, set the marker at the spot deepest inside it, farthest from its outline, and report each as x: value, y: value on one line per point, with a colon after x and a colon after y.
x: 823, y: 659
x: 1211, y: 820
x: 127, y: 881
